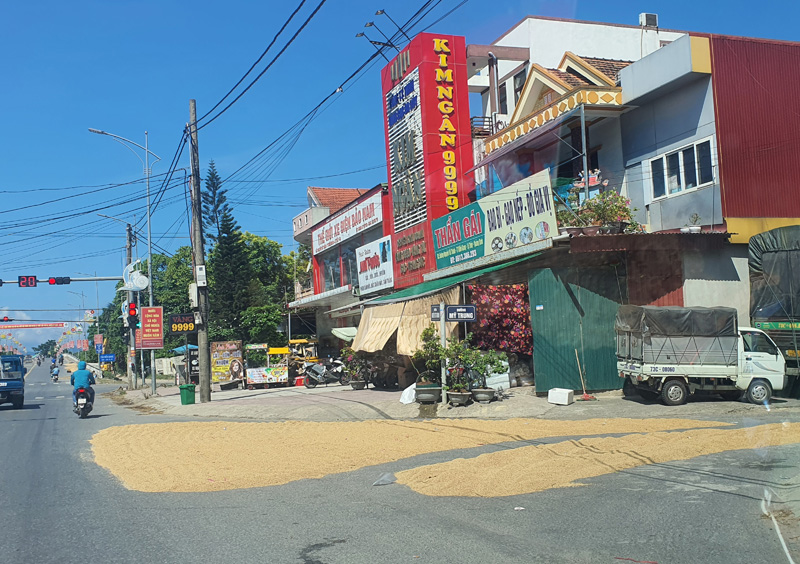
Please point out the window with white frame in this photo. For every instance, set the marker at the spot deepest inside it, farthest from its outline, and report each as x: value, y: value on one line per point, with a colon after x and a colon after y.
x: 681, y: 170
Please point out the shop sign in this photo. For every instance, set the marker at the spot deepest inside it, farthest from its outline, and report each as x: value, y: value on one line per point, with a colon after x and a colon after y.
x: 375, y: 265
x: 428, y: 140
x: 516, y: 215
x: 347, y: 223
x: 411, y: 255
x: 268, y: 375
x: 226, y: 361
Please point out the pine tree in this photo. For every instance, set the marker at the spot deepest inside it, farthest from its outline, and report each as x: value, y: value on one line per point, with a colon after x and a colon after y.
x: 214, y: 205
x: 231, y: 276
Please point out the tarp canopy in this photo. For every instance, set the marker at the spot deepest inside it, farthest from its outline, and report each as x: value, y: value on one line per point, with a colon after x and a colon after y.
x: 677, y: 321
x: 433, y: 286
x: 345, y: 333
x: 182, y: 349
x: 377, y: 326
x: 774, y: 264
x: 417, y: 316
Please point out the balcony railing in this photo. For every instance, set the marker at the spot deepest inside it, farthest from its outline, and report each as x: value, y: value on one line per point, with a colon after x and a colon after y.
x: 482, y: 126
x: 303, y: 290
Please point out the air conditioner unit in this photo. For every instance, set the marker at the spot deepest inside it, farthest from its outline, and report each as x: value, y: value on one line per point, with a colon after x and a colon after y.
x: 648, y: 20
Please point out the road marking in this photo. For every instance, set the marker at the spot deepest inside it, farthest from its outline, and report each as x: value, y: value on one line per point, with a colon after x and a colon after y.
x: 39, y: 397
x: 43, y: 384
x: 59, y: 397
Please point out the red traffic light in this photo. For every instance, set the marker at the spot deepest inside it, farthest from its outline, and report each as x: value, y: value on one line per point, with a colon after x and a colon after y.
x: 132, y: 309
x: 58, y: 280
x: 6, y: 319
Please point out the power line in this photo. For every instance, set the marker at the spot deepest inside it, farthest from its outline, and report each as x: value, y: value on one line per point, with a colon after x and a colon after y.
x: 274, y: 59
x: 274, y: 39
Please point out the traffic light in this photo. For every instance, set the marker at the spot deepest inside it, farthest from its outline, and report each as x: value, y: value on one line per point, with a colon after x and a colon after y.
x: 58, y: 280
x: 133, y: 314
x: 6, y: 319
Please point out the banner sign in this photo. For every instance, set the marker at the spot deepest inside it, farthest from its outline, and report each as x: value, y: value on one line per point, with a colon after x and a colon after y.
x: 32, y: 325
x: 257, y: 347
x: 226, y: 361
x: 98, y: 339
x: 375, y: 265
x: 516, y: 215
x: 268, y: 375
x: 347, y: 223
x: 152, y: 328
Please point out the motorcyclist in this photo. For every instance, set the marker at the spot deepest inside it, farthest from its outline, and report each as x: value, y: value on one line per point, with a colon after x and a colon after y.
x: 81, y: 378
x: 54, y: 372
x: 61, y: 359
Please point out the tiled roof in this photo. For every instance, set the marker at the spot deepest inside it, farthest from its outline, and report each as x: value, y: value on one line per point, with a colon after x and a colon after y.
x: 609, y: 67
x: 570, y: 79
x: 335, y: 198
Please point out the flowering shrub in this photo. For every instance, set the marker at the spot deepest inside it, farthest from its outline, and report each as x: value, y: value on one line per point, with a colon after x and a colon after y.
x: 608, y: 207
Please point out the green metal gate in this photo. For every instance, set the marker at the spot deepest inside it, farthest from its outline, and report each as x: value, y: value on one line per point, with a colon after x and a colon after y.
x: 574, y: 308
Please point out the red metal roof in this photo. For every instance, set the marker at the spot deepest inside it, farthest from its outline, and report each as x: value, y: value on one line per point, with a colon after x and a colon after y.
x: 335, y: 198
x: 756, y: 85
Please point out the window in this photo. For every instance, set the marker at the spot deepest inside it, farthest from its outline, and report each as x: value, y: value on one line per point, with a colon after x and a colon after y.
x: 349, y: 266
x: 758, y: 342
x: 682, y: 170
x: 503, y: 101
x: 331, y: 270
x: 519, y: 84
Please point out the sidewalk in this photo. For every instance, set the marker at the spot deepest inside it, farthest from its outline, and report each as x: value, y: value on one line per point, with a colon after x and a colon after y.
x: 341, y: 403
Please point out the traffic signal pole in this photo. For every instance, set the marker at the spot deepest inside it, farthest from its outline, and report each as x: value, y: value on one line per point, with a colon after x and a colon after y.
x: 198, y: 256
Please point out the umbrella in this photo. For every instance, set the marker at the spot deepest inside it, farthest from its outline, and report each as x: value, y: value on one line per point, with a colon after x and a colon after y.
x: 345, y: 333
x: 182, y: 349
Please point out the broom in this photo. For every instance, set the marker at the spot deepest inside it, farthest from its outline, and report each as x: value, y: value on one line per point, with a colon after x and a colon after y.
x: 585, y: 397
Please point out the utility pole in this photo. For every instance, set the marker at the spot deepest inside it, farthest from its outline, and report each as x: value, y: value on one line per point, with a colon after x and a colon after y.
x: 129, y: 362
x: 198, y: 254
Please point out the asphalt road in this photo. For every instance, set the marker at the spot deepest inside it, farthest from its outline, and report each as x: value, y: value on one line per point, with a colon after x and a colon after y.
x: 56, y: 505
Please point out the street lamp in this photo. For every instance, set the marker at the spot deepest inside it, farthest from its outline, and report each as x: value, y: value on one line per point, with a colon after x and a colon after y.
x: 146, y: 163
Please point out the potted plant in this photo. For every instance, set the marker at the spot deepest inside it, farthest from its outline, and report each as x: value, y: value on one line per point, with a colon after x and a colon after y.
x: 427, y: 361
x: 471, y: 366
x: 610, y: 210
x: 354, y: 368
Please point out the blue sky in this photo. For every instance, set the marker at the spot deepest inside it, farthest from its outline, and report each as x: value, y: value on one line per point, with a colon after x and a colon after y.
x: 130, y: 66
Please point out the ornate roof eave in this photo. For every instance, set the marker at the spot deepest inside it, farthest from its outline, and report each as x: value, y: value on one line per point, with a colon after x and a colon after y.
x: 603, y: 96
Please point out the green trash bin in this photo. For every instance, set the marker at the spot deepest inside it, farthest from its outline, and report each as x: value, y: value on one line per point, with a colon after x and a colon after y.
x: 187, y: 394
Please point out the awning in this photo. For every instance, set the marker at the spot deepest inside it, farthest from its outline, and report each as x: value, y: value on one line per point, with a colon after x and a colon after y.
x: 345, y: 333
x: 377, y: 325
x: 332, y: 298
x: 524, y: 140
x: 433, y: 286
x: 417, y: 316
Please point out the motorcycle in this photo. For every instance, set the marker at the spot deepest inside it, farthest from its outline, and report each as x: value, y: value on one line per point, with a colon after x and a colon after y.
x: 325, y: 374
x: 84, y: 403
x: 54, y: 376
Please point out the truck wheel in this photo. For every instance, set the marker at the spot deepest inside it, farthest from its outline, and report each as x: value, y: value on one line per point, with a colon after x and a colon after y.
x: 759, y: 392
x: 628, y: 389
x: 674, y: 392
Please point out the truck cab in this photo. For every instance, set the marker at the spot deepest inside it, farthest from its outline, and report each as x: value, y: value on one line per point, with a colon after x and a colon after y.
x: 12, y: 381
x: 759, y: 360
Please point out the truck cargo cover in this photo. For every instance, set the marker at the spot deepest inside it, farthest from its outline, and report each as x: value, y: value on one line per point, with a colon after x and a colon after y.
x: 677, y: 321
x: 774, y: 265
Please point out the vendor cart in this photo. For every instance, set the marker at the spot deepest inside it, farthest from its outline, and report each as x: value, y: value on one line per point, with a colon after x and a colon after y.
x: 276, y: 371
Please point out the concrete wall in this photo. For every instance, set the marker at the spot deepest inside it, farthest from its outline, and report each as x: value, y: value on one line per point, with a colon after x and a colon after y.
x: 663, y: 124
x: 718, y: 279
x: 608, y: 134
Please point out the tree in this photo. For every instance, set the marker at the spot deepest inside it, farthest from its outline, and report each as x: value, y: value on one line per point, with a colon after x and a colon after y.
x: 171, y: 279
x: 48, y: 348
x: 215, y: 205
x: 231, y: 277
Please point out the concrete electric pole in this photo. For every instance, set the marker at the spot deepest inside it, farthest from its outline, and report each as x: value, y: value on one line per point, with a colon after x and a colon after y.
x: 198, y: 254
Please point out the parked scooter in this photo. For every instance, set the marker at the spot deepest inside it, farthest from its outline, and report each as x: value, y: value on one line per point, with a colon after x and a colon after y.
x: 321, y: 374
x: 84, y: 403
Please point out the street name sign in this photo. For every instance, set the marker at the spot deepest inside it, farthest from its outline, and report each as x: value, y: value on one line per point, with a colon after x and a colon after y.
x: 460, y: 313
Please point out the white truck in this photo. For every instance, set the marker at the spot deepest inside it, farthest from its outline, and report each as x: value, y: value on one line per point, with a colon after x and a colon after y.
x: 672, y: 352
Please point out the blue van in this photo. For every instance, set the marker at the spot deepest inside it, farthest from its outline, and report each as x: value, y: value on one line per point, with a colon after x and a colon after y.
x: 12, y: 380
